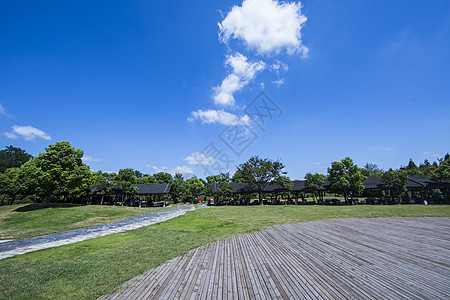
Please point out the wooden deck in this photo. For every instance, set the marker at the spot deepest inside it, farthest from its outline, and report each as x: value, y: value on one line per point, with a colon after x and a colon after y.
x: 380, y: 258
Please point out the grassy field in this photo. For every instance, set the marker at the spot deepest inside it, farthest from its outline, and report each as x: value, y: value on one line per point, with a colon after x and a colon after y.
x: 31, y: 220
x: 88, y: 269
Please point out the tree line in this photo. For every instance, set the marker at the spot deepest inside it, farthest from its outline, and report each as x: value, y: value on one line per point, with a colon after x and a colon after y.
x: 60, y: 174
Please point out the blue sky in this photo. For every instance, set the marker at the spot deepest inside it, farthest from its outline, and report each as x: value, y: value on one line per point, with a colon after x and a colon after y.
x: 153, y: 85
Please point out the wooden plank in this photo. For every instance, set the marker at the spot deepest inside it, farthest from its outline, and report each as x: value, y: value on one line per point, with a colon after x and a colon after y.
x: 377, y: 258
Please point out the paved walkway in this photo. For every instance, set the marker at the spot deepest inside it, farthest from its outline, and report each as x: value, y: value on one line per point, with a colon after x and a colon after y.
x: 380, y: 258
x: 12, y: 248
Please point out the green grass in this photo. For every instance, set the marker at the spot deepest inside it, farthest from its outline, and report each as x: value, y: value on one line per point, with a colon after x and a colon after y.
x: 88, y: 269
x: 31, y: 220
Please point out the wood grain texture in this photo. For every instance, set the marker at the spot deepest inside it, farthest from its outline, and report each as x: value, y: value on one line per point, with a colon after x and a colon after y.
x: 379, y: 258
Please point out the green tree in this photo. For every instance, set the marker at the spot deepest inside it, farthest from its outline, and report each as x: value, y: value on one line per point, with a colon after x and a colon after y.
x: 8, y: 185
x: 371, y: 170
x: 147, y: 179
x: 13, y: 157
x: 260, y: 173
x: 196, y: 187
x: 411, y: 168
x: 442, y: 174
x: 315, y: 182
x: 124, y: 181
x: 181, y: 187
x: 163, y: 177
x: 395, y: 182
x: 345, y: 176
x: 61, y: 169
x: 224, y: 188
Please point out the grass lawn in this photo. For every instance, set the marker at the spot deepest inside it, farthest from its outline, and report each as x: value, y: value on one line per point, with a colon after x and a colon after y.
x: 23, y: 221
x: 88, y: 269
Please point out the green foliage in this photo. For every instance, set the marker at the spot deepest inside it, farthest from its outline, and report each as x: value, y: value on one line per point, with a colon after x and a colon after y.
x: 260, y: 173
x: 125, y: 180
x: 224, y: 189
x: 13, y: 157
x: 442, y: 172
x: 315, y: 181
x: 195, y: 186
x: 346, y: 177
x: 395, y: 181
x: 371, y: 170
x: 163, y: 177
x: 147, y: 179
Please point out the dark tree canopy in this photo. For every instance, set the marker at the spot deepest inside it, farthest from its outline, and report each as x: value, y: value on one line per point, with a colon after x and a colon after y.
x: 13, y: 157
x: 260, y: 173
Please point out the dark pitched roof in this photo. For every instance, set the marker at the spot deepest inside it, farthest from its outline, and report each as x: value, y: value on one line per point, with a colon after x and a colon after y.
x: 373, y: 183
x: 164, y: 188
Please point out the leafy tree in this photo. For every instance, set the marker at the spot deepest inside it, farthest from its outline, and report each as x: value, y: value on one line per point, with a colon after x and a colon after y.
x: 147, y: 179
x: 196, y: 187
x: 125, y: 180
x: 181, y: 187
x: 371, y: 170
x: 411, y: 168
x: 395, y: 182
x: 345, y: 176
x: 8, y: 185
x: 260, y: 173
x: 163, y: 177
x: 442, y: 174
x: 315, y: 182
x: 13, y: 157
x: 61, y: 169
x: 224, y: 189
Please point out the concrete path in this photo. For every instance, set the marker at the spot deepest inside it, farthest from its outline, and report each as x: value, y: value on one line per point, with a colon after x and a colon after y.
x: 11, y: 248
x: 379, y: 258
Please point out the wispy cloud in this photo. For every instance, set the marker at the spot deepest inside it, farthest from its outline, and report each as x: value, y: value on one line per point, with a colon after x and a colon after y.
x: 432, y: 154
x: 242, y: 71
x: 382, y: 149
x: 158, y: 169
x: 266, y: 26
x: 185, y: 170
x: 212, y: 116
x: 278, y: 82
x: 29, y: 133
x: 2, y: 110
x: 87, y: 158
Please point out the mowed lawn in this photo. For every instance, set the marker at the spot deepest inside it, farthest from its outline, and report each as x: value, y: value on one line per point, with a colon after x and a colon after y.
x: 23, y: 221
x: 88, y: 269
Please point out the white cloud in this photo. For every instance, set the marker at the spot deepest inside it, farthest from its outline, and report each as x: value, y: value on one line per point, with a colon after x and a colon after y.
x: 278, y: 82
x: 185, y: 170
x: 198, y: 158
x: 87, y: 158
x: 2, y: 110
x: 28, y: 132
x: 212, y: 116
x: 382, y: 149
x: 278, y: 65
x: 432, y: 154
x: 158, y: 169
x: 242, y: 71
x: 266, y: 26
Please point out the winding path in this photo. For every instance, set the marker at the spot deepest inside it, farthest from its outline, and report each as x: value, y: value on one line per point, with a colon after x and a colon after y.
x: 12, y: 248
x: 379, y: 258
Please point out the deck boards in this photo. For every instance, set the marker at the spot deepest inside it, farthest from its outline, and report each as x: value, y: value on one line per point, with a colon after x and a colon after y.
x: 379, y: 258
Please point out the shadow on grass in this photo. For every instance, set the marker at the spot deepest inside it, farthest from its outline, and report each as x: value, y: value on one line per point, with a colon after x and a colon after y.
x: 37, y: 206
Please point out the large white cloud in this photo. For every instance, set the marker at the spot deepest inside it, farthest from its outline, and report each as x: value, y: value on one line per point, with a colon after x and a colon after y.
x: 212, y: 116
x: 198, y: 158
x: 27, y: 132
x: 242, y: 71
x: 184, y: 170
x: 266, y: 26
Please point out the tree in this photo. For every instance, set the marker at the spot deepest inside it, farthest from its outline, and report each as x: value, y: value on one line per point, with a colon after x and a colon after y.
x: 224, y: 189
x: 147, y: 179
x: 61, y: 169
x: 395, y: 182
x: 8, y: 185
x: 346, y: 177
x: 411, y: 168
x: 13, y: 157
x: 315, y: 182
x: 124, y: 181
x: 442, y: 174
x: 181, y: 187
x: 260, y: 173
x: 196, y: 187
x: 163, y: 177
x: 371, y: 170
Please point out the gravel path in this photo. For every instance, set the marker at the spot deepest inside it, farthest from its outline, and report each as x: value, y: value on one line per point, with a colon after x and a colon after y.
x: 12, y: 248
